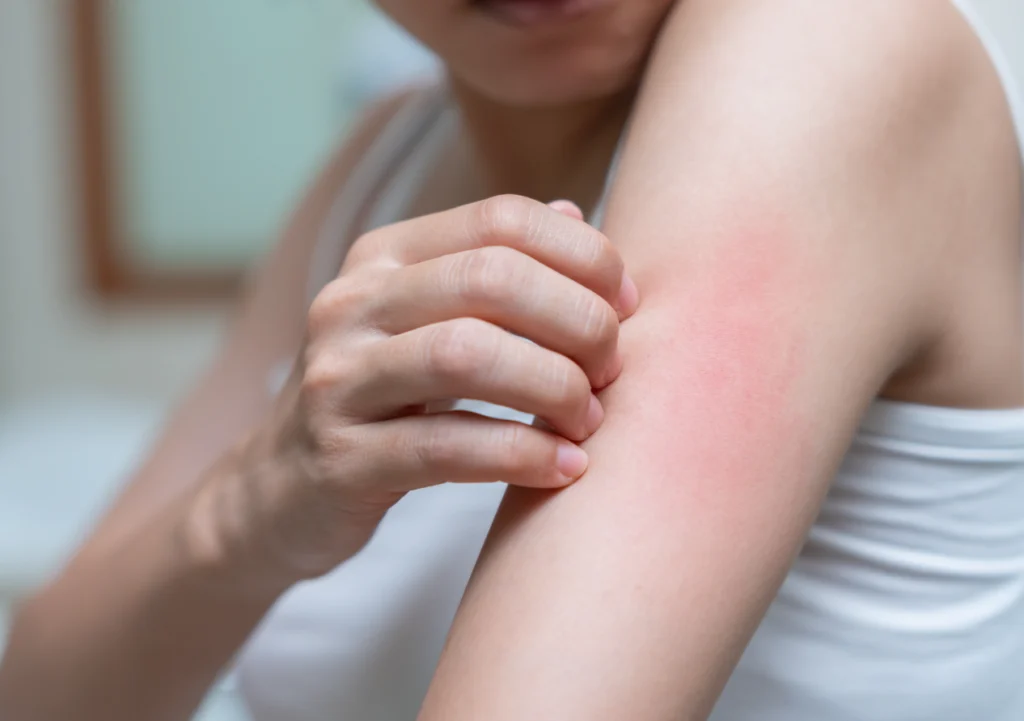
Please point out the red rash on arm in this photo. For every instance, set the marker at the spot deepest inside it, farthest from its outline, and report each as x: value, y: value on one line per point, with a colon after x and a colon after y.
x: 736, y: 353
x: 708, y: 359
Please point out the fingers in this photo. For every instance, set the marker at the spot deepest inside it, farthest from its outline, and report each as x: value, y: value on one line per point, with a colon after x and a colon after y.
x: 559, y: 240
x: 511, y: 290
x: 469, y: 358
x: 419, y: 451
x: 567, y: 208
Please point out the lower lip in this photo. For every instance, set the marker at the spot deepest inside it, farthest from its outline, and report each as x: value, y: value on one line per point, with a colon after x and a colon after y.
x: 538, y: 12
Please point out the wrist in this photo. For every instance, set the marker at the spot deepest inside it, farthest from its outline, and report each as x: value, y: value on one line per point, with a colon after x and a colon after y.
x: 258, y: 524
x: 219, y: 535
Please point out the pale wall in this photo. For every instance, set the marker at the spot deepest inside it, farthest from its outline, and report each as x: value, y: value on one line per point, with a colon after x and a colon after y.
x: 52, y: 338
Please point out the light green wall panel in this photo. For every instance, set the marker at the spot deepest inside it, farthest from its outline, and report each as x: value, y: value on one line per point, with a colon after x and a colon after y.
x: 225, y: 110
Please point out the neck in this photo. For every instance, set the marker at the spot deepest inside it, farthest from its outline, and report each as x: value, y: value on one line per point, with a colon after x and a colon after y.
x: 545, y: 153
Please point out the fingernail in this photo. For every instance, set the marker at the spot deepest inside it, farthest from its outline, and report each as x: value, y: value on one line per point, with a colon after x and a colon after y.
x: 613, y: 372
x: 571, y: 461
x: 595, y: 415
x: 567, y: 207
x: 629, y: 296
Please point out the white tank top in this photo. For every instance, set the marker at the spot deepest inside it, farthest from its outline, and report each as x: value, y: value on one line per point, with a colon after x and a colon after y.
x: 906, y: 603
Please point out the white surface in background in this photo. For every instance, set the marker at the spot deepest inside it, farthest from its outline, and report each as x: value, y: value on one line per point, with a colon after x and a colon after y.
x: 52, y: 339
x: 61, y: 461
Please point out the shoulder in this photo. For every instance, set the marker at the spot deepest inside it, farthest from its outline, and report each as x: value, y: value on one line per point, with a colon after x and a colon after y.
x: 884, y: 110
x: 883, y: 43
x: 854, y: 142
x: 849, y: 73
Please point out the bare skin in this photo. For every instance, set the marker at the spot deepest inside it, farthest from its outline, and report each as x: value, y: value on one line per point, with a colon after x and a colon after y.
x: 230, y: 511
x: 839, y: 244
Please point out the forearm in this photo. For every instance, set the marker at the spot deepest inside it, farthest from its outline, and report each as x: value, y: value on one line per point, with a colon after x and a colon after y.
x: 136, y: 630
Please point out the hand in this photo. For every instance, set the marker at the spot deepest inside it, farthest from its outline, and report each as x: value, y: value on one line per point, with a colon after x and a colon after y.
x: 426, y: 311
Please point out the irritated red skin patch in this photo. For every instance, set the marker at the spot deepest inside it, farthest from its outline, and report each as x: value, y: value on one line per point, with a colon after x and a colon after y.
x: 722, y: 403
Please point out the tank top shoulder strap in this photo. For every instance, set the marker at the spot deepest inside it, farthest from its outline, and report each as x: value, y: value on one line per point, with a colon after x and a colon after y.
x: 359, y: 202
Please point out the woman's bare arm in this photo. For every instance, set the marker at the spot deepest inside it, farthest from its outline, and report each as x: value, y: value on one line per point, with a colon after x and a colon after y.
x: 136, y: 627
x: 795, y: 176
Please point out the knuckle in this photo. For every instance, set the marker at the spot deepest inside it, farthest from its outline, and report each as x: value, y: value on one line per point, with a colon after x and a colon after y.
x: 462, y: 348
x: 397, y: 443
x: 599, y: 323
x: 569, y: 386
x: 438, y: 448
x: 322, y: 311
x: 598, y: 254
x: 510, y: 442
x: 477, y: 275
x: 366, y: 248
x: 324, y: 372
x: 505, y: 216
x: 328, y: 441
x: 317, y: 373
x: 337, y: 304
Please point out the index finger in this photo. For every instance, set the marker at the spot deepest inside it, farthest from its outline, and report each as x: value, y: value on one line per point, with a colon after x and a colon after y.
x: 560, y: 241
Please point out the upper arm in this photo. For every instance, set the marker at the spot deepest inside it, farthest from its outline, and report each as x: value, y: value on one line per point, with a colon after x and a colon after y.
x: 788, y: 187
x: 268, y: 328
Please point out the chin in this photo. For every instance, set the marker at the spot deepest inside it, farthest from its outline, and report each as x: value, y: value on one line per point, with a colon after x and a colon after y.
x: 551, y: 69
x: 537, y: 52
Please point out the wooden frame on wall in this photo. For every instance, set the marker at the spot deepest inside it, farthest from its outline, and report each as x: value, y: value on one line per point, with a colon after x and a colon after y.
x: 112, y: 271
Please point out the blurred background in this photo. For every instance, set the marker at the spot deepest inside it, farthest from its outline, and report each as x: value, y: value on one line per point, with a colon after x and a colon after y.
x: 150, y: 150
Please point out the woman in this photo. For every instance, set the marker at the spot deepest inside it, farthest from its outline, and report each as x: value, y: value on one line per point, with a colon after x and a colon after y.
x: 820, y: 206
